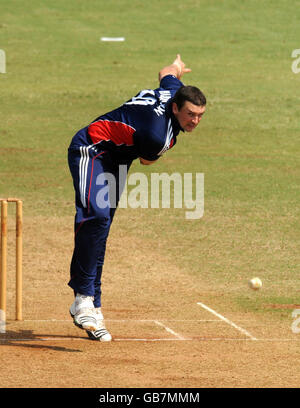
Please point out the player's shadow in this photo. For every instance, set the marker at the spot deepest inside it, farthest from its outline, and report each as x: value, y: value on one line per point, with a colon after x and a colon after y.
x: 23, y: 338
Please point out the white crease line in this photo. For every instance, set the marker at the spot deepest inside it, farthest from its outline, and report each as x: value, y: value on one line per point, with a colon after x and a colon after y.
x: 179, y: 337
x: 240, y: 329
x: 122, y: 320
x: 203, y: 339
x: 146, y: 340
x: 15, y: 340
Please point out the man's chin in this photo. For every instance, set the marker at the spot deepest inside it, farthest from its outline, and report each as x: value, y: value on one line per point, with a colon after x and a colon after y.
x: 189, y: 128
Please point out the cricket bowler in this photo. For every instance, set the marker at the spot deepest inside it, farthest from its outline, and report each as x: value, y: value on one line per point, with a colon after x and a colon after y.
x: 144, y: 128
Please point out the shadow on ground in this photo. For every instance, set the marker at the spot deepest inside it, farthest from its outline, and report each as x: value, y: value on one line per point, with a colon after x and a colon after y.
x: 23, y: 338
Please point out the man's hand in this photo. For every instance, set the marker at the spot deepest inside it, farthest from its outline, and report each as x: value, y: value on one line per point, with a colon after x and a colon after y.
x: 180, y: 66
x: 177, y: 68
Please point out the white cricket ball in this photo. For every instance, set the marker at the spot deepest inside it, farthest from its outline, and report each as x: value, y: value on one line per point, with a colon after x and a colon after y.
x: 255, y: 283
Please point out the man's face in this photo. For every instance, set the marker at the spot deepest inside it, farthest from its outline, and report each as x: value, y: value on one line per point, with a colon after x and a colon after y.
x: 189, y: 115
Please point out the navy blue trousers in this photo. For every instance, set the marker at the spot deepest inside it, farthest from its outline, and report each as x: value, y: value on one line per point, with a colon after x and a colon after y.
x: 98, y: 184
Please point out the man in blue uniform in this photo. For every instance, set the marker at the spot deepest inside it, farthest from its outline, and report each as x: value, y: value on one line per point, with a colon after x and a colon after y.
x: 143, y: 128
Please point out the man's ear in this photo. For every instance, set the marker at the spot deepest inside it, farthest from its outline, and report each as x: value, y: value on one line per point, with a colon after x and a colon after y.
x: 175, y: 109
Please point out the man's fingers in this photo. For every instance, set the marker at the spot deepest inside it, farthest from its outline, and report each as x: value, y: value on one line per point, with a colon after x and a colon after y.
x: 181, y: 65
x: 177, y: 60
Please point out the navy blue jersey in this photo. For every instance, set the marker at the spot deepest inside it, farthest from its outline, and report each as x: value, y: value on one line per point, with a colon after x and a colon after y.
x: 142, y: 127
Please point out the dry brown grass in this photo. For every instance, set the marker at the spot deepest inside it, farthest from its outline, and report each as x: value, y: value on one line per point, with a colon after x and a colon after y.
x: 139, y: 283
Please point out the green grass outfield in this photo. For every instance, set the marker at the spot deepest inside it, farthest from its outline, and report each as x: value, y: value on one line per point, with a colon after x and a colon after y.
x: 60, y: 77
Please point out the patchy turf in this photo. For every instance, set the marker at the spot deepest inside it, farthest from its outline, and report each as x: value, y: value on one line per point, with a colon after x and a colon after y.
x: 59, y: 78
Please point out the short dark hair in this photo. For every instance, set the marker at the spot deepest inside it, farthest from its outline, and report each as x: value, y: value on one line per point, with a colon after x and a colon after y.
x: 191, y: 94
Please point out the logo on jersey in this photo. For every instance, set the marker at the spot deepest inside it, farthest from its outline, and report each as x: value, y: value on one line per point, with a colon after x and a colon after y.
x: 169, y: 139
x: 164, y: 96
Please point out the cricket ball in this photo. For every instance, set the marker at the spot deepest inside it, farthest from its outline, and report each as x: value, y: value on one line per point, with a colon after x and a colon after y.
x: 255, y: 283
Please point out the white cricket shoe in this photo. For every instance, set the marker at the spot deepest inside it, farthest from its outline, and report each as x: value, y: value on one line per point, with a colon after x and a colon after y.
x: 83, y: 312
x: 101, y: 333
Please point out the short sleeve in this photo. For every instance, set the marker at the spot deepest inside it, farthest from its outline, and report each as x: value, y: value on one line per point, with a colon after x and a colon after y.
x: 170, y: 82
x: 147, y: 145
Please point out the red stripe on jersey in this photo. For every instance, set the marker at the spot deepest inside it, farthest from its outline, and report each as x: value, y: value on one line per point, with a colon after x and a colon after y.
x: 118, y: 132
